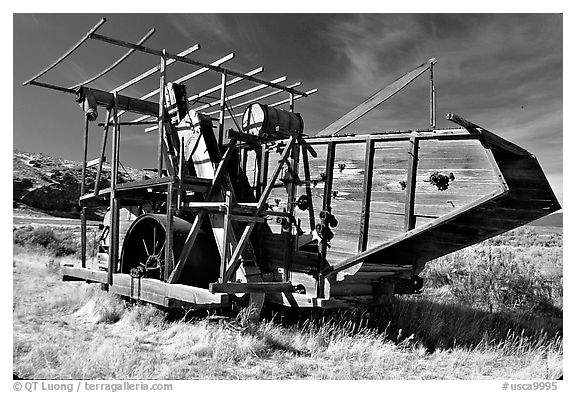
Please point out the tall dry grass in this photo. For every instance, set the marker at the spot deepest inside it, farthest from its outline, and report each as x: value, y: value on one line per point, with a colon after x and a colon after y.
x: 75, y: 330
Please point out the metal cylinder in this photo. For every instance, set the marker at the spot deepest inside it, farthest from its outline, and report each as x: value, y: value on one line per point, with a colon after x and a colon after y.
x: 147, y: 235
x: 260, y: 119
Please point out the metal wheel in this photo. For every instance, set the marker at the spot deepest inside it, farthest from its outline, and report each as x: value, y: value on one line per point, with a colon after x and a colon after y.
x: 143, y: 251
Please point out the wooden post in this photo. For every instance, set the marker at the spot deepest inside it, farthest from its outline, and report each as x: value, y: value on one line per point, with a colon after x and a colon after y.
x: 102, y: 152
x: 225, y: 248
x: 169, y: 238
x: 114, y: 211
x: 432, y: 95
x: 222, y: 112
x: 292, y: 191
x: 326, y: 206
x: 367, y: 195
x: 161, y: 112
x: 82, y: 192
x: 409, y: 218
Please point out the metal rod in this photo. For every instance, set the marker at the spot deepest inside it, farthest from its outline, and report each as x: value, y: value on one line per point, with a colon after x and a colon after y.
x: 222, y: 111
x: 154, y: 70
x: 189, y: 61
x: 68, y: 53
x: 432, y: 95
x: 114, y: 222
x: 161, y: 112
x: 53, y: 87
x: 117, y: 62
x: 102, y: 153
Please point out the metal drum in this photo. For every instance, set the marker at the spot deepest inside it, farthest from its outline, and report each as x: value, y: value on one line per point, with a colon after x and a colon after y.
x: 144, y: 247
x: 260, y: 120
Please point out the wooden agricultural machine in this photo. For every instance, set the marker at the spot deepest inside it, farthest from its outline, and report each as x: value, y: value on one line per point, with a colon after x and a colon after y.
x: 263, y: 210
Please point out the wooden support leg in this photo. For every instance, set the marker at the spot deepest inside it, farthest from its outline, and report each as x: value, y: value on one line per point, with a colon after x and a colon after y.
x: 255, y: 305
x: 83, y: 235
x: 225, y: 246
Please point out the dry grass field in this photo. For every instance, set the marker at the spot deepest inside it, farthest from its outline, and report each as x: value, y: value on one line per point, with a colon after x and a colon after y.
x: 492, y: 311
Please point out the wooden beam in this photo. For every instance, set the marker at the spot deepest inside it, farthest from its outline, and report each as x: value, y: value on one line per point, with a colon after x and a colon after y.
x: 161, y: 112
x: 114, y: 216
x: 488, y: 136
x: 106, y: 99
x: 116, y: 63
x: 373, y: 101
x: 251, y: 287
x: 366, y: 195
x: 68, y: 53
x: 225, y: 247
x: 190, y: 61
x: 409, y: 218
x: 150, y: 290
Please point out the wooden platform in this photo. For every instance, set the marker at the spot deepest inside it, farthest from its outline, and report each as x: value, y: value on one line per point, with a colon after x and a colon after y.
x: 150, y: 290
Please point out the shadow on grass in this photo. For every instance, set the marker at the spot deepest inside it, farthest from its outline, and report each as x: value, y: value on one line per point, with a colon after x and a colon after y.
x: 435, y: 325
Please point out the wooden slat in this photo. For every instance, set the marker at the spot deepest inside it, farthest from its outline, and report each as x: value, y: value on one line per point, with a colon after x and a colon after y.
x: 153, y: 70
x: 190, y: 61
x: 373, y: 101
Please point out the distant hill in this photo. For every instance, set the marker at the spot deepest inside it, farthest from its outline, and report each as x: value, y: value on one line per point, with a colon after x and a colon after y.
x: 551, y: 220
x: 52, y: 185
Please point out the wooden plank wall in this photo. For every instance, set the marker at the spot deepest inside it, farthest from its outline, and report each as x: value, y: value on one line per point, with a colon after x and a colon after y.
x: 474, y: 177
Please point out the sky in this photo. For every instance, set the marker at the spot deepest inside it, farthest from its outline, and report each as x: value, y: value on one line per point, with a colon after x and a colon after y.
x: 501, y: 71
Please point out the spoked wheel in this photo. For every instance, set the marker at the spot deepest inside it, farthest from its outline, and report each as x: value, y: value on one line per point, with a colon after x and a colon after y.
x: 143, y: 252
x: 151, y: 263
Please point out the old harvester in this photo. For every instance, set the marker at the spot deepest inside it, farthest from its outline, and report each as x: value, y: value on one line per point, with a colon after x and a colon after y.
x: 265, y: 212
